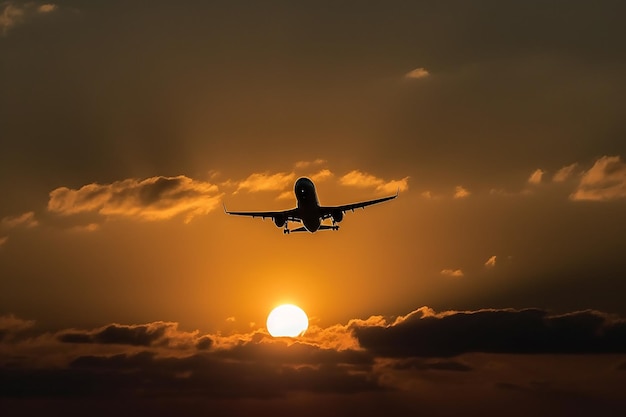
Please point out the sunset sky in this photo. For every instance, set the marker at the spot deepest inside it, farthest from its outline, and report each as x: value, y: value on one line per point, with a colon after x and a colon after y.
x: 494, y: 284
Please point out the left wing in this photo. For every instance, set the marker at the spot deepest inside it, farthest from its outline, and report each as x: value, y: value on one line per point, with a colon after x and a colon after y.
x: 327, y: 211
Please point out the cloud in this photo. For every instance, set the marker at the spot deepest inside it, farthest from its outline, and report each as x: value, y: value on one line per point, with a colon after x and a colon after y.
x: 298, y: 353
x: 452, y: 272
x: 267, y: 182
x: 3, y: 240
x: 13, y: 14
x: 322, y: 175
x: 604, y: 181
x: 421, y: 364
x: 47, y: 8
x: 360, y: 179
x: 153, y: 334
x: 460, y: 192
x: 307, y: 164
x: 377, y: 354
x: 24, y: 220
x: 200, y: 375
x: 285, y: 195
x: 491, y: 262
x: 204, y: 343
x: 156, y: 198
x: 417, y: 73
x: 91, y: 227
x: 536, y: 176
x: 10, y: 325
x: 158, y: 359
x: 282, y: 181
x: 528, y: 331
x: 564, y: 173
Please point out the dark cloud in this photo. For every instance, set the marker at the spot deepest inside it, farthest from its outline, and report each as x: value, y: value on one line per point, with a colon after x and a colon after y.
x: 135, y: 335
x: 115, y: 362
x: 204, y: 343
x: 423, y: 365
x: 10, y: 325
x: 204, y: 375
x: 130, y: 335
x: 76, y: 338
x: 297, y: 353
x: 156, y: 361
x: 495, y: 331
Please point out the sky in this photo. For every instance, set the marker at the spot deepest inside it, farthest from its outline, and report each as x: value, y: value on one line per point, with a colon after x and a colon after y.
x: 494, y: 283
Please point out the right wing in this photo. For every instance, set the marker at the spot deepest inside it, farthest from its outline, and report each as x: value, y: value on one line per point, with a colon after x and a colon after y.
x: 285, y: 215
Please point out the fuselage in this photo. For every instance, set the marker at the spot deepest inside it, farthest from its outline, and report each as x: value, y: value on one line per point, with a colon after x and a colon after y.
x: 308, y: 204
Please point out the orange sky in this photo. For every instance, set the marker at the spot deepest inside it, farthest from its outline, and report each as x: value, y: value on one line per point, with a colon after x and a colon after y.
x: 124, y: 128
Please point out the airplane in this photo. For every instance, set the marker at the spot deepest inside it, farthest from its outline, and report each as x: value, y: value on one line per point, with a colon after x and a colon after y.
x: 308, y: 211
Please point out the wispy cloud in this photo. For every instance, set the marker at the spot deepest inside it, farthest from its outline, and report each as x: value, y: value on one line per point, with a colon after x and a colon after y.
x: 452, y: 272
x: 460, y: 192
x: 322, y: 175
x: 10, y: 325
x: 536, y: 177
x: 3, y: 240
x: 24, y: 220
x: 364, y: 180
x: 14, y: 14
x: 266, y: 182
x: 156, y: 198
x: 417, y: 73
x: 90, y: 227
x: 565, y: 173
x: 47, y: 8
x: 11, y: 15
x: 491, y: 262
x: 13, y: 323
x: 307, y: 164
x: 285, y: 195
x: 604, y: 181
x: 280, y: 181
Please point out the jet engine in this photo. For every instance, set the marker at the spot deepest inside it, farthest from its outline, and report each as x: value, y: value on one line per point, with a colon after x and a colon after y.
x: 337, y: 216
x: 279, y: 221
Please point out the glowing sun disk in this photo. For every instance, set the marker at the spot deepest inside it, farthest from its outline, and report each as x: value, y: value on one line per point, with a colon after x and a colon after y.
x: 287, y: 320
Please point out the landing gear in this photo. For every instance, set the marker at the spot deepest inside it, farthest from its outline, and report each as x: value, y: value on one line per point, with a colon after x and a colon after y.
x: 286, y: 229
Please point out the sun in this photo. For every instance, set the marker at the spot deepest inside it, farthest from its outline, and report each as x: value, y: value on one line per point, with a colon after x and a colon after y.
x: 287, y: 320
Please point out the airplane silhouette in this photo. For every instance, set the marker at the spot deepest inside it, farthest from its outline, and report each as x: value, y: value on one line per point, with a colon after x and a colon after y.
x: 308, y: 211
